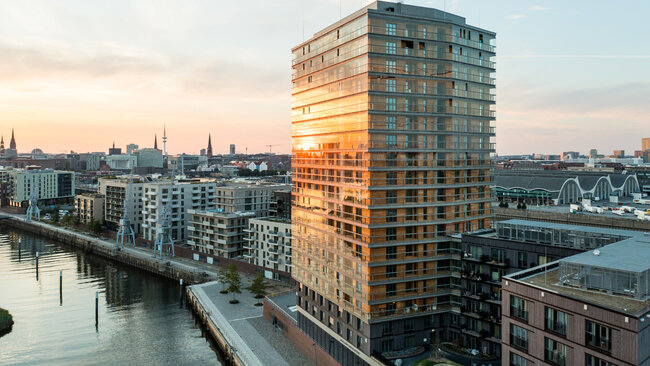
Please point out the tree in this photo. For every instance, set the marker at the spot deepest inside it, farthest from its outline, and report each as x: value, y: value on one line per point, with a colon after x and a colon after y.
x: 56, y: 216
x: 258, y: 287
x: 95, y: 227
x: 234, y: 283
x: 66, y: 219
x: 222, y: 276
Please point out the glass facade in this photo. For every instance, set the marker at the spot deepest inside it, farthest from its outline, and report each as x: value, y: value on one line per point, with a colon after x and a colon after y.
x: 392, y: 134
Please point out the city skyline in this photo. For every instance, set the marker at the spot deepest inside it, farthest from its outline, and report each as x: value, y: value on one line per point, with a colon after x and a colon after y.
x: 118, y: 72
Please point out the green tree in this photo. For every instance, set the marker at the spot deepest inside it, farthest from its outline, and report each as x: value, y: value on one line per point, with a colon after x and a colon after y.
x: 222, y: 276
x: 95, y: 227
x: 234, y: 282
x: 56, y: 216
x: 258, y: 287
x: 66, y: 219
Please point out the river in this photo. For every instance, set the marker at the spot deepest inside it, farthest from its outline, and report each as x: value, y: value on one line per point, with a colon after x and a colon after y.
x: 141, y: 320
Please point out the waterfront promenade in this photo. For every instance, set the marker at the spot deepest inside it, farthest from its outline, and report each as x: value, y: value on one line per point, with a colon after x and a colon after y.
x: 240, y: 329
x: 249, y: 338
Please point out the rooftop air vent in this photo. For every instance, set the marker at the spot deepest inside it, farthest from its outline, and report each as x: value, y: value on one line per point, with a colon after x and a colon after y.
x: 596, y: 252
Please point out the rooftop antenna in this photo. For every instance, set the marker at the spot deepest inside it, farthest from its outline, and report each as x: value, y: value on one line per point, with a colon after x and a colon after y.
x: 33, y: 212
x: 126, y: 230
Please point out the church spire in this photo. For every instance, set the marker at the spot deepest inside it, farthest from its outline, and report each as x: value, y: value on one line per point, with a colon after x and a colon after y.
x: 12, y: 144
x: 209, y: 153
x: 155, y: 142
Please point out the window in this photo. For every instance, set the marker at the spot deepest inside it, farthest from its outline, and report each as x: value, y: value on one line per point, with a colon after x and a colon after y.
x: 391, y: 233
x: 516, y: 360
x: 595, y: 361
x: 556, y: 321
x: 391, y: 141
x: 391, y: 290
x: 391, y: 197
x: 391, y: 215
x: 391, y: 253
x: 391, y: 66
x: 391, y: 48
x: 391, y: 104
x: 391, y: 85
x: 409, y: 325
x: 391, y: 29
x: 518, y: 337
x: 391, y: 271
x: 554, y: 352
x: 391, y: 121
x: 522, y: 259
x: 518, y: 308
x: 598, y: 336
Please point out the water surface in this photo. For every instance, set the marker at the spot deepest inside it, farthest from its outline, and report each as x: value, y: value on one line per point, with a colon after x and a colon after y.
x: 141, y: 321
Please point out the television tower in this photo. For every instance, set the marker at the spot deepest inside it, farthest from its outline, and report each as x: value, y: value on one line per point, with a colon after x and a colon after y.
x: 126, y: 230
x: 164, y: 139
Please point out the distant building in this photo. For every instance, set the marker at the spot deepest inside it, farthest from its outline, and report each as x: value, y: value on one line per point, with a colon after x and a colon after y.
x: 570, y: 155
x: 148, y: 158
x: 645, y: 143
x: 593, y: 154
x: 619, y: 153
x: 114, y: 150
x: 180, y: 196
x: 218, y: 233
x: 561, y: 187
x: 89, y: 207
x: 114, y: 191
x: 54, y: 187
x: 232, y: 149
x: 121, y: 162
x: 202, y: 152
x: 258, y: 166
x: 268, y: 244
x: 587, y: 309
x: 130, y: 148
x: 91, y: 161
x: 243, y: 197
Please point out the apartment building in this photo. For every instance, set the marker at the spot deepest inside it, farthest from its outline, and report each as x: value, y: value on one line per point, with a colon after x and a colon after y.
x: 114, y: 192
x: 89, y: 206
x: 246, y: 197
x: 218, y: 233
x: 516, y: 245
x: 587, y: 309
x: 268, y: 243
x: 52, y: 186
x: 392, y: 139
x: 179, y: 197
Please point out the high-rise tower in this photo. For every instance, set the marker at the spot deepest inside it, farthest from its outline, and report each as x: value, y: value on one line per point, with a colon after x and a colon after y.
x: 392, y: 133
x: 164, y: 138
x: 209, y: 151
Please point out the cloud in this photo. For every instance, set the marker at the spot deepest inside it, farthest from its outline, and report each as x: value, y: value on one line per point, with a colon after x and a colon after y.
x: 516, y: 16
x: 538, y: 8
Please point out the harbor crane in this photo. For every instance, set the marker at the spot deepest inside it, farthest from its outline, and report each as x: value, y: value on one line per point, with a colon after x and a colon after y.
x: 33, y: 212
x: 125, y: 230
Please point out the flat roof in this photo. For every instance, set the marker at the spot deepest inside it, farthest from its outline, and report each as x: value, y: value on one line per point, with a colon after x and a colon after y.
x: 586, y: 229
x: 550, y: 280
x: 286, y: 302
x: 631, y: 255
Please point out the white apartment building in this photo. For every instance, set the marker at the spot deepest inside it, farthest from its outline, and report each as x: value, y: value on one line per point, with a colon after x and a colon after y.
x: 52, y: 186
x: 268, y: 243
x: 246, y: 197
x: 114, y: 191
x: 180, y: 196
x: 218, y: 233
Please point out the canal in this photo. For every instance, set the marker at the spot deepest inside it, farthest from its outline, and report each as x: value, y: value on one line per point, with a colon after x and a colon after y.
x: 141, y: 319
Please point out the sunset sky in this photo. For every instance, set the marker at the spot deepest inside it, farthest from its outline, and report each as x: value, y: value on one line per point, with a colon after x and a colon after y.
x: 78, y: 75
